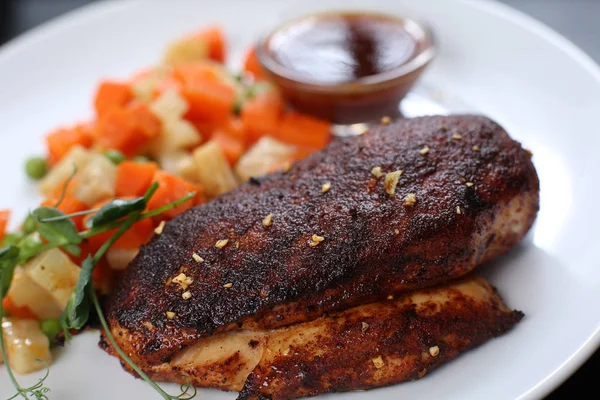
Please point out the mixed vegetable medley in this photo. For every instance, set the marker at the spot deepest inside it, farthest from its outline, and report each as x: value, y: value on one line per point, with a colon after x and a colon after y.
x: 171, y: 137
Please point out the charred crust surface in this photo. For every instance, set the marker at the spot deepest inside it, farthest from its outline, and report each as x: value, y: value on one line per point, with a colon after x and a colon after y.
x: 372, y: 244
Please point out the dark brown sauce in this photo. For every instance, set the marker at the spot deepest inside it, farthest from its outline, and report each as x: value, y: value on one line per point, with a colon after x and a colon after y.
x: 340, y: 48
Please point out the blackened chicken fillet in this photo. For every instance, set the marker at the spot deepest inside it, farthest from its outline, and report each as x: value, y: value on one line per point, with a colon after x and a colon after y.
x: 377, y: 232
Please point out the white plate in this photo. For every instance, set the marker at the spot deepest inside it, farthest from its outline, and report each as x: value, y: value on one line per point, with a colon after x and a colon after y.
x: 493, y: 60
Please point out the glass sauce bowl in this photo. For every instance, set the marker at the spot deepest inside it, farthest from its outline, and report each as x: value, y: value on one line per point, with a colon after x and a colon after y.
x: 347, y: 67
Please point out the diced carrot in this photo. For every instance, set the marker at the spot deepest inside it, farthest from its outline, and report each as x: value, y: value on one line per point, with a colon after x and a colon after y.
x: 134, y: 178
x: 216, y: 42
x: 145, y: 120
x: 235, y: 128
x: 86, y: 250
x: 302, y: 152
x: 302, y: 130
x: 127, y: 129
x: 115, y: 130
x: 204, y: 128
x: 111, y: 95
x: 15, y: 311
x: 4, y: 216
x: 200, y: 196
x: 62, y: 140
x: 103, y: 277
x: 210, y: 102
x: 136, y: 236
x: 232, y: 147
x: 197, y: 71
x: 95, y: 242
x: 171, y: 188
x: 261, y: 115
x: 253, y: 66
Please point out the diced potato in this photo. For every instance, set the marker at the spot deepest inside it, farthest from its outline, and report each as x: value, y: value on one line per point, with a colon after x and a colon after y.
x: 187, y: 169
x: 169, y: 106
x: 119, y: 259
x: 185, y: 50
x: 25, y: 292
x: 96, y: 180
x: 176, y: 135
x: 143, y: 88
x: 25, y: 344
x: 265, y: 156
x: 180, y: 163
x: 212, y: 170
x: 77, y: 157
x: 95, y: 176
x: 54, y: 271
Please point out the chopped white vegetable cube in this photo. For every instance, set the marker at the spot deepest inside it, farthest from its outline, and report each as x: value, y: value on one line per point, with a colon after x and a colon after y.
x: 266, y: 155
x: 25, y: 345
x: 213, y: 171
x: 169, y: 105
x: 175, y: 135
x: 25, y: 292
x: 96, y: 180
x: 180, y: 163
x: 143, y: 88
x: 56, y: 273
x: 185, y: 50
x: 58, y: 175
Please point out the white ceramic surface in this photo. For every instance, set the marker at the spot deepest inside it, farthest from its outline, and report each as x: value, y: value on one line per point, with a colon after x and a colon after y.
x: 492, y: 60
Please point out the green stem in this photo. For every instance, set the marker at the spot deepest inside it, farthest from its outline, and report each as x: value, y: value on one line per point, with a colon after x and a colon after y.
x: 124, y: 356
x: 168, y: 207
x: 65, y: 186
x: 109, y: 227
x: 3, y: 351
x: 135, y: 217
x: 68, y: 216
x: 154, y: 213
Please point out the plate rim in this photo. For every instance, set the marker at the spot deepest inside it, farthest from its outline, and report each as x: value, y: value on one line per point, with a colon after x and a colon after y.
x: 536, y: 27
x: 508, y: 13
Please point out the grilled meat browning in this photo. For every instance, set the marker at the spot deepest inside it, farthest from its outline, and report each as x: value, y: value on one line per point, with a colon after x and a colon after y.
x: 380, y: 343
x: 371, y: 345
x: 471, y: 204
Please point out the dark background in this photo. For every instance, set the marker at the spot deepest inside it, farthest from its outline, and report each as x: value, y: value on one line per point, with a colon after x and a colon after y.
x: 578, y: 20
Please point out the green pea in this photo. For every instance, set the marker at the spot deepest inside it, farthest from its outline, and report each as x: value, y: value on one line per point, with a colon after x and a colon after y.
x: 51, y: 328
x: 11, y: 239
x: 30, y: 225
x: 141, y: 159
x: 36, y: 168
x: 115, y: 156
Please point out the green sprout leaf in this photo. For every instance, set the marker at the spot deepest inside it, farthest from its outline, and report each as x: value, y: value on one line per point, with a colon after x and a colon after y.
x: 117, y: 209
x: 58, y: 231
x: 77, y: 312
x: 9, y: 257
